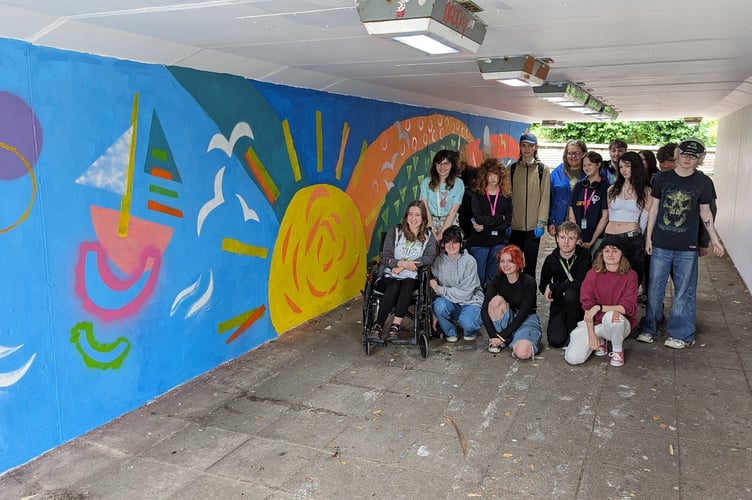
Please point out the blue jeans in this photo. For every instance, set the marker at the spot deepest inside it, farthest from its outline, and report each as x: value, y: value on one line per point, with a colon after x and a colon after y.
x: 447, y: 313
x: 488, y: 266
x: 681, y: 320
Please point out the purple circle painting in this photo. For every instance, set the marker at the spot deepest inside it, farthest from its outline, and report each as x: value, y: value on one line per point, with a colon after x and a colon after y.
x: 19, y: 130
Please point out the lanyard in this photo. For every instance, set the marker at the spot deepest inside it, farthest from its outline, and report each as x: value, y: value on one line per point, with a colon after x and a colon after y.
x: 586, y: 200
x: 568, y: 266
x: 493, y: 207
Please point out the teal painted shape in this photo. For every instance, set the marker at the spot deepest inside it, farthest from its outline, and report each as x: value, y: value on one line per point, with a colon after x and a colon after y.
x: 159, y: 153
x: 229, y: 100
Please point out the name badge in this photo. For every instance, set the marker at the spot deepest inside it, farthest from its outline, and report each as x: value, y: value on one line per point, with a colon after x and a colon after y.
x: 494, y: 233
x: 583, y: 223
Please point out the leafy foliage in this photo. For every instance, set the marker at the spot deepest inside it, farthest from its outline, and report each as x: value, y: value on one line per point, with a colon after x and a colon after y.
x: 644, y: 133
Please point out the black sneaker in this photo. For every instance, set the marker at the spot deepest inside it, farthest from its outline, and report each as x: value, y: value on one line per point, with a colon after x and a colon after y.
x: 374, y: 336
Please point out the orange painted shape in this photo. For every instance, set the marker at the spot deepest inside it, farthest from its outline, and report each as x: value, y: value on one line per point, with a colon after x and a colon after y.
x: 161, y: 173
x: 159, y: 207
x: 125, y: 253
x: 247, y: 323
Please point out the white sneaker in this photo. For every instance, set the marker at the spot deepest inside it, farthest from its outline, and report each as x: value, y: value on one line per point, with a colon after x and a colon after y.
x: 646, y: 337
x: 494, y: 348
x: 677, y: 344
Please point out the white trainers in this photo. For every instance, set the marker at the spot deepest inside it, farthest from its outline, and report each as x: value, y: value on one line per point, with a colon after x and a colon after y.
x: 677, y: 343
x: 494, y: 348
x: 646, y: 337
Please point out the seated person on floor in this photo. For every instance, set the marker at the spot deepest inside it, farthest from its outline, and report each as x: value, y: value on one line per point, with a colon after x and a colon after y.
x: 407, y: 247
x: 457, y: 288
x: 609, y: 299
x: 509, y: 308
x: 561, y: 276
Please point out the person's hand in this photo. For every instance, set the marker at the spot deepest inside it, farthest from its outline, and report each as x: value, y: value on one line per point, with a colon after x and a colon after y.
x: 593, y: 342
x: 587, y: 245
x: 434, y: 285
x: 648, y: 246
x: 538, y: 232
x: 478, y: 227
x: 547, y: 294
x: 410, y: 265
x: 396, y: 270
x: 552, y: 230
x: 704, y: 251
x: 718, y: 249
x: 590, y: 314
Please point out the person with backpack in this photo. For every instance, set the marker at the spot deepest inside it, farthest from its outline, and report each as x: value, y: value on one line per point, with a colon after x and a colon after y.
x: 531, y: 196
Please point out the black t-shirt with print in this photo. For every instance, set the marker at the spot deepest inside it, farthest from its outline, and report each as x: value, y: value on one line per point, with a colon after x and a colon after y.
x: 596, y: 203
x: 679, y: 199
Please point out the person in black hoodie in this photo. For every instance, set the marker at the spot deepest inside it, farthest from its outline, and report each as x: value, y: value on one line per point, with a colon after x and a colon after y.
x: 561, y: 276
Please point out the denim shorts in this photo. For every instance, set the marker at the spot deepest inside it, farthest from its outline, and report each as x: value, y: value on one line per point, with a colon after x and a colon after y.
x: 530, y: 329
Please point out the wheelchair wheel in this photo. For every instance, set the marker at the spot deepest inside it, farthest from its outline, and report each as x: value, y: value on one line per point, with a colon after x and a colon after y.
x: 423, y: 344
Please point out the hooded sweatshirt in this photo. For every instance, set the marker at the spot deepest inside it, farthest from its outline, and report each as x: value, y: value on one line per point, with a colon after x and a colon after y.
x: 458, y: 278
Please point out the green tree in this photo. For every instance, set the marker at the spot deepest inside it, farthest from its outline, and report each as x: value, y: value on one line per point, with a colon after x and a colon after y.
x: 646, y: 133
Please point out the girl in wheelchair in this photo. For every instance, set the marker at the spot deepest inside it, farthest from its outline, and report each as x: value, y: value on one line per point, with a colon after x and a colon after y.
x: 407, y: 248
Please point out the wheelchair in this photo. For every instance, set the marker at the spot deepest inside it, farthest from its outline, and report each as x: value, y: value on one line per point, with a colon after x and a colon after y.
x: 419, y: 312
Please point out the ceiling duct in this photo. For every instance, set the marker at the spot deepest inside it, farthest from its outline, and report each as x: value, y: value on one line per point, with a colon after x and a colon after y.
x: 515, y: 71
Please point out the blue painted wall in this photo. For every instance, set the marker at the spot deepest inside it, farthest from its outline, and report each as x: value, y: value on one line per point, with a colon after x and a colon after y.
x: 156, y: 222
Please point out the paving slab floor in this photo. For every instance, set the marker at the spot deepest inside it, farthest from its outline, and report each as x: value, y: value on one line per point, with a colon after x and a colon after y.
x: 310, y: 415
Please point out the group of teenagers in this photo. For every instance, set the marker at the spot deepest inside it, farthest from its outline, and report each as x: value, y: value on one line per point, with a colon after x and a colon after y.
x: 620, y: 225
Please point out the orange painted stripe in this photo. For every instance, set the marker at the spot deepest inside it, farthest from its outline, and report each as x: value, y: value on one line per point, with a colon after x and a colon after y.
x: 260, y: 177
x: 161, y: 173
x: 292, y: 305
x: 158, y: 207
x: 247, y: 323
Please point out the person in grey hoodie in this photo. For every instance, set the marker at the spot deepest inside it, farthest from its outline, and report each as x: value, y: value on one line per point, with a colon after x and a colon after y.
x: 457, y: 288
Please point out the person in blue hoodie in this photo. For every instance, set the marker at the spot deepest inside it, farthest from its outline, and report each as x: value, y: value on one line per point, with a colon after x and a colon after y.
x: 563, y: 178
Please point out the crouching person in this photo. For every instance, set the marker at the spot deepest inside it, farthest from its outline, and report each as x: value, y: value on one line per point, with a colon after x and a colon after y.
x: 457, y: 288
x: 509, y: 308
x: 609, y: 298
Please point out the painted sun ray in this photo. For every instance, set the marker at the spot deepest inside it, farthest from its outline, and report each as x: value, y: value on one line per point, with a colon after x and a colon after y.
x: 238, y: 247
x: 262, y: 176
x: 125, y: 201
x: 255, y: 315
x: 239, y: 320
x: 291, y: 152
x: 202, y: 301
x: 108, y: 171
x: 219, y: 141
x: 213, y: 203
x: 248, y: 213
x: 7, y: 379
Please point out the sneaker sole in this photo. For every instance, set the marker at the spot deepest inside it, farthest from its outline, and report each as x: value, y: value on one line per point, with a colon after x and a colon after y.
x: 451, y: 339
x: 645, y: 340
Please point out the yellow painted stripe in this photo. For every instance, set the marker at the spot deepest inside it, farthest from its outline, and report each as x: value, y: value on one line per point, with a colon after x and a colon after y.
x: 234, y: 246
x: 341, y: 159
x: 125, y: 201
x: 294, y: 162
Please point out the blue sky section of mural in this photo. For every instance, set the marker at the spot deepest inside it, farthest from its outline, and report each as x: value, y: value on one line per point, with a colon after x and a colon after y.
x: 139, y: 247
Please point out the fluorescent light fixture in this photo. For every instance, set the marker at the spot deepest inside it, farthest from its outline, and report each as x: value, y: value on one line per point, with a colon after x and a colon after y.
x: 563, y: 94
x: 607, y: 113
x: 692, y: 121
x: 426, y: 44
x: 446, y: 22
x: 593, y: 105
x: 519, y: 71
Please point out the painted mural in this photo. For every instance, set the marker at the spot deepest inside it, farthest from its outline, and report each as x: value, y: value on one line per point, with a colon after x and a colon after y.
x: 159, y: 221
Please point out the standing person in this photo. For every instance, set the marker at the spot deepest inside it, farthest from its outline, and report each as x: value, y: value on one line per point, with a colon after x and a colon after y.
x: 531, y: 195
x: 682, y: 203
x: 563, y: 179
x: 509, y: 308
x: 407, y: 247
x: 609, y: 299
x: 665, y: 157
x: 492, y: 214
x: 457, y: 288
x: 561, y: 276
x: 650, y: 162
x: 588, y: 205
x: 442, y: 192
x: 629, y: 202
x: 616, y: 150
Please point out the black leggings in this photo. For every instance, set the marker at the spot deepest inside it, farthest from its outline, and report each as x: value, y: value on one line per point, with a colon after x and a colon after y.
x: 397, y: 294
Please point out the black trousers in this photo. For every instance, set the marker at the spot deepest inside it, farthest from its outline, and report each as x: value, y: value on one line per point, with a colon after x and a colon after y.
x: 565, y: 313
x: 529, y: 245
x: 397, y: 294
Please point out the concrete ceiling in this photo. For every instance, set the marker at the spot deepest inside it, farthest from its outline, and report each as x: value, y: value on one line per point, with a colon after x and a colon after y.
x: 650, y: 59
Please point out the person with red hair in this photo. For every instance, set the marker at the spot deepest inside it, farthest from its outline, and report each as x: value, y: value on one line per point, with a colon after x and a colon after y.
x: 509, y: 308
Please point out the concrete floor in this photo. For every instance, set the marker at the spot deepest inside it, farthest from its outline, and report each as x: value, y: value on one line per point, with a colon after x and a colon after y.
x: 311, y: 416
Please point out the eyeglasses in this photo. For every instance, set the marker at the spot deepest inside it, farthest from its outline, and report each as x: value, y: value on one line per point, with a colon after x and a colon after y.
x: 688, y: 155
x: 574, y: 153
